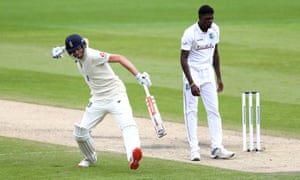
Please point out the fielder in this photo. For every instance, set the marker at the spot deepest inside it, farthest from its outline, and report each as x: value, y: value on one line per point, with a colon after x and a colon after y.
x: 200, y: 63
x: 108, y: 95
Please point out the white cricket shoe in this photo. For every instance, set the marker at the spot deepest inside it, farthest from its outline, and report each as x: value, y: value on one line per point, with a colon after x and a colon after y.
x: 195, y: 156
x: 84, y: 163
x: 221, y: 153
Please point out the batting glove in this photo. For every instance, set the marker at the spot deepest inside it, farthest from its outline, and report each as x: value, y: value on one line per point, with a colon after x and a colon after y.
x: 144, y: 79
x: 57, y: 52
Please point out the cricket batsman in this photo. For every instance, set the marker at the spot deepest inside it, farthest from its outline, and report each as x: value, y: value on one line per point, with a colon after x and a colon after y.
x: 108, y: 95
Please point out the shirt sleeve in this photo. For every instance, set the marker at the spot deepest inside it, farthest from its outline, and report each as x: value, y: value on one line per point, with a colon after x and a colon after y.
x: 100, y: 57
x: 186, y: 41
x: 217, y: 31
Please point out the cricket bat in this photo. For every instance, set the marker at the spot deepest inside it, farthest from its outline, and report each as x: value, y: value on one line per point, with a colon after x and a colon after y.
x: 154, y: 114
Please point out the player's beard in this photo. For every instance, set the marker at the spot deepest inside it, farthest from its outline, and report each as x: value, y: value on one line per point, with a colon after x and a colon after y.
x: 209, y: 25
x: 204, y: 26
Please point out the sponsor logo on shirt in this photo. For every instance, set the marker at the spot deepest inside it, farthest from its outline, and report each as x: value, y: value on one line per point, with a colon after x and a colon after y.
x: 206, y: 46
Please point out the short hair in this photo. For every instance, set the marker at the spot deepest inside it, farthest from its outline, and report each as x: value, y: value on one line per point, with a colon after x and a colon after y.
x: 205, y: 9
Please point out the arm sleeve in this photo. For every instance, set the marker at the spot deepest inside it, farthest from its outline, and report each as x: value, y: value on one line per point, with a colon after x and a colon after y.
x: 186, y: 41
x: 217, y: 30
x: 100, y: 57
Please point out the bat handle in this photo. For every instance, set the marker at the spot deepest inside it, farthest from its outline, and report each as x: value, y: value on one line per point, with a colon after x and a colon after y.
x: 146, y: 90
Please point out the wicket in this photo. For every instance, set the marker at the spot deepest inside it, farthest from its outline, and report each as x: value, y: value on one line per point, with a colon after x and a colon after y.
x: 244, y: 121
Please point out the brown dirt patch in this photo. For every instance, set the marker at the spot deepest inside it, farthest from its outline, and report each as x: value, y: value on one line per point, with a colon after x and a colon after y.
x: 55, y: 125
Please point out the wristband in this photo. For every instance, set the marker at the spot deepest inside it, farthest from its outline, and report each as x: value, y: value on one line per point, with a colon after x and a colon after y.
x: 193, y: 84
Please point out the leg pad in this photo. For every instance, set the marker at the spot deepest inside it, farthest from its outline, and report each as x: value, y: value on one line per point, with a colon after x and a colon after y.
x: 85, y: 143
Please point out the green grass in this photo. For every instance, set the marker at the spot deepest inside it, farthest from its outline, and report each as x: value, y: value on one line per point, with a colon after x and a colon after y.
x: 23, y: 159
x: 258, y: 51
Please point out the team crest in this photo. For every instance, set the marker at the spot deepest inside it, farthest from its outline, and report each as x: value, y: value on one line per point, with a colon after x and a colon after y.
x: 211, y: 35
x: 102, y: 54
x: 187, y: 86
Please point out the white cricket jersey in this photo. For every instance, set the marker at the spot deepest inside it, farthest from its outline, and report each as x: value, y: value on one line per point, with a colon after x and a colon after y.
x: 200, y: 44
x: 99, y: 76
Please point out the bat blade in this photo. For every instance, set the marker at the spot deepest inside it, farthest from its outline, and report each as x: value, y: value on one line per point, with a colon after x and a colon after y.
x: 150, y: 105
x: 155, y: 117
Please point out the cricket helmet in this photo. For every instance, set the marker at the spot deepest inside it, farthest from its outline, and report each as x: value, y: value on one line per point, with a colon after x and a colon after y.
x: 73, y: 42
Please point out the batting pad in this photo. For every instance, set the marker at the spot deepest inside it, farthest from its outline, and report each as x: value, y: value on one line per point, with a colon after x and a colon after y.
x: 85, y: 143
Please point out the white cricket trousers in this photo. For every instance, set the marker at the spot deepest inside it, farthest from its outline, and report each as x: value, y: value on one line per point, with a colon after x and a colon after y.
x: 210, y: 100
x: 120, y: 109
